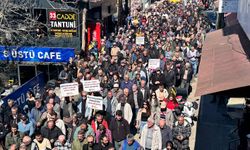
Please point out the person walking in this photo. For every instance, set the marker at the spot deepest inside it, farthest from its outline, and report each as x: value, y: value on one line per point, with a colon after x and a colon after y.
x: 181, y: 134
x: 119, y: 128
x: 151, y: 136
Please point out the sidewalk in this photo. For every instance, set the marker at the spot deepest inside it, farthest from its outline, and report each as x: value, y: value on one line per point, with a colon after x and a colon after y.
x: 191, y: 98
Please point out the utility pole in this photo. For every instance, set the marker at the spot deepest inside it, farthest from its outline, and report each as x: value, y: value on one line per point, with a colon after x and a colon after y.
x: 84, y: 15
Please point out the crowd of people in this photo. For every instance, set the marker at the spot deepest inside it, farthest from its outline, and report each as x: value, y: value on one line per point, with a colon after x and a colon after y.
x: 141, y: 106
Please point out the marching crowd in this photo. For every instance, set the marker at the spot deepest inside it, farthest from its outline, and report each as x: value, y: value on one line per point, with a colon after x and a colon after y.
x: 141, y: 106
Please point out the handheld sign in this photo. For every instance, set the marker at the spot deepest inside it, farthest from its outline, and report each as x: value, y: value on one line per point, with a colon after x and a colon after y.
x: 94, y: 102
x: 140, y: 40
x: 91, y: 85
x: 69, y: 89
x: 153, y: 63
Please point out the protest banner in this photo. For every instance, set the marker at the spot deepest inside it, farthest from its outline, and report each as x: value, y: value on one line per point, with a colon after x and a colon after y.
x: 36, y: 85
x: 91, y: 85
x: 153, y: 63
x: 140, y: 40
x: 94, y: 102
x: 69, y: 89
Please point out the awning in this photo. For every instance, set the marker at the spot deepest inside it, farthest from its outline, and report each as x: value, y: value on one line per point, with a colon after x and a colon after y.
x: 225, y: 65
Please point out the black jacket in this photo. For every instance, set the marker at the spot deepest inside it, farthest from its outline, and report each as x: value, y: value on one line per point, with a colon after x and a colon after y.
x: 85, y: 147
x: 51, y: 133
x: 170, y: 78
x: 146, y: 93
x: 139, y: 99
x: 101, y: 147
x: 119, y: 133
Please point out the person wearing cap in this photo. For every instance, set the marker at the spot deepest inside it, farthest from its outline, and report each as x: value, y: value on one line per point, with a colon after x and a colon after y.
x: 119, y: 128
x: 116, y: 91
x: 126, y: 109
x: 25, y: 126
x: 130, y: 143
x: 151, y: 136
x: 114, y: 51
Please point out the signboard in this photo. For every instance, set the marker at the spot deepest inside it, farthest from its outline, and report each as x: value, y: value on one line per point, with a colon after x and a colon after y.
x: 227, y: 6
x: 140, y: 40
x: 94, y: 102
x: 69, y: 89
x: 91, y: 85
x: 36, y: 85
x: 35, y: 54
x: 153, y: 63
x: 63, y: 23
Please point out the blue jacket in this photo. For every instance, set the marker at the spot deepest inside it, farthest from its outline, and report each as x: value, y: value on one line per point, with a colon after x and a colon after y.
x: 128, y: 85
x: 135, y: 145
x: 28, y: 128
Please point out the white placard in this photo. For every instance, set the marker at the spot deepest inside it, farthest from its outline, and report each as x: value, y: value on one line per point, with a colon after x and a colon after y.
x: 153, y: 63
x: 91, y: 85
x: 140, y: 40
x: 227, y: 6
x: 94, y: 102
x: 69, y: 89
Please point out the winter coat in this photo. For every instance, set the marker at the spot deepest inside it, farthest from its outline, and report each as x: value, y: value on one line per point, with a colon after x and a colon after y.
x: 98, y: 134
x: 166, y: 133
x: 128, y: 113
x: 185, y: 131
x: 77, y: 145
x: 94, y: 124
x: 156, y: 139
x: 158, y: 93
x: 139, y: 99
x: 88, y: 132
x: 114, y: 103
x: 51, y: 133
x: 170, y: 78
x: 135, y: 145
x: 9, y: 140
x: 146, y: 94
x: 119, y: 133
x: 27, y: 129
x: 36, y: 114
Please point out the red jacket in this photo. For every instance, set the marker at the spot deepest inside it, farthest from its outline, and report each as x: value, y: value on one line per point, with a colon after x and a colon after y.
x: 171, y: 105
x: 94, y: 124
